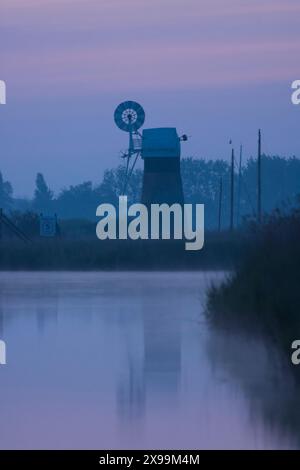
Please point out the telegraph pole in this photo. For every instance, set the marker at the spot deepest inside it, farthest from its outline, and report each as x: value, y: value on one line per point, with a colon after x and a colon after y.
x: 240, y: 185
x: 232, y: 190
x: 220, y: 204
x: 259, y: 178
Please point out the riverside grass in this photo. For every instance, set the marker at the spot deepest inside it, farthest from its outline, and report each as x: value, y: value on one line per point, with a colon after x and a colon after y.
x: 263, y: 290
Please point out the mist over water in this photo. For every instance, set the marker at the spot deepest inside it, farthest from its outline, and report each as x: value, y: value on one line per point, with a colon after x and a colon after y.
x: 127, y: 360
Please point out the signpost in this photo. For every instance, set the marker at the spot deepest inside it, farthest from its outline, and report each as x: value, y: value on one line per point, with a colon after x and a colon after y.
x: 48, y: 226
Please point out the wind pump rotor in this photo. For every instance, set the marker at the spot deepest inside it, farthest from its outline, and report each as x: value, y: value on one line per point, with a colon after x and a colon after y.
x: 129, y: 116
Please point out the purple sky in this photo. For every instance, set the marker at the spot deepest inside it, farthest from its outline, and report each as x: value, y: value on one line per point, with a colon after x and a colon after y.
x: 215, y: 69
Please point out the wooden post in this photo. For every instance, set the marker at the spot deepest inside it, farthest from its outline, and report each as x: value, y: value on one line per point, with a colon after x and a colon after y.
x: 220, y: 204
x: 259, y: 179
x: 240, y: 186
x: 232, y: 191
x: 1, y: 226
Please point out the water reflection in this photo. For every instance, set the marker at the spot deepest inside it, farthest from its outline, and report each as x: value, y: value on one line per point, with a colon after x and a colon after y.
x: 47, y: 310
x: 153, y: 352
x: 131, y: 394
x: 257, y: 369
x: 123, y: 360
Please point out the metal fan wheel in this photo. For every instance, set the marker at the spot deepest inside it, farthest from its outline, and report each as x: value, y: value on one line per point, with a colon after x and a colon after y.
x: 129, y: 116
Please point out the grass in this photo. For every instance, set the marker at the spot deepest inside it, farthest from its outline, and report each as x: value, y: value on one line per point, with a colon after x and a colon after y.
x: 264, y: 291
x: 89, y: 253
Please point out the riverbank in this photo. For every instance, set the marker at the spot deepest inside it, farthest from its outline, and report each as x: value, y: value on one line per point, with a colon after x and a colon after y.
x: 88, y: 253
x: 263, y: 291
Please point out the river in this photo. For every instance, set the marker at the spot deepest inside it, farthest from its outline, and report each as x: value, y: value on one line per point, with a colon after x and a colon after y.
x: 127, y: 360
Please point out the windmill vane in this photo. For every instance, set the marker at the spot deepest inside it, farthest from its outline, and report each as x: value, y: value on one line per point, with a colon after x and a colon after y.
x: 129, y: 116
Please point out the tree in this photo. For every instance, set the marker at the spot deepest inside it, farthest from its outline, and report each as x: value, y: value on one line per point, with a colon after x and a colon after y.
x: 201, y: 182
x: 113, y: 181
x: 43, y: 196
x: 77, y: 201
x: 5, y: 193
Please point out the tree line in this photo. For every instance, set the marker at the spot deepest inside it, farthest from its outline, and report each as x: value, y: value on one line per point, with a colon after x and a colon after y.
x: 201, y: 183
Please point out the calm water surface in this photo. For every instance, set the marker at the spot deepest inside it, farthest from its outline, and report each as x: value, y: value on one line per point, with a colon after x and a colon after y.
x: 126, y: 360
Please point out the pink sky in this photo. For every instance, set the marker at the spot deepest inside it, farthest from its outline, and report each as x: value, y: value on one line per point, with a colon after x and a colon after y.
x: 160, y: 52
x: 111, y: 44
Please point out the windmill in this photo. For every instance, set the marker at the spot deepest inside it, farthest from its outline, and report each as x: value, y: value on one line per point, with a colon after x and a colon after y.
x: 159, y: 148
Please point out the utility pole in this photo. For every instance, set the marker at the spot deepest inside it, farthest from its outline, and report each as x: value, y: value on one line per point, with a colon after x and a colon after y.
x: 259, y: 178
x: 232, y: 190
x: 220, y: 204
x: 240, y: 185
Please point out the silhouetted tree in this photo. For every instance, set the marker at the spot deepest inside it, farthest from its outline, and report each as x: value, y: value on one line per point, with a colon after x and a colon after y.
x: 5, y: 193
x: 79, y: 201
x: 280, y: 186
x: 201, y: 179
x: 112, y: 185
x: 280, y: 182
x: 22, y: 204
x: 43, y: 196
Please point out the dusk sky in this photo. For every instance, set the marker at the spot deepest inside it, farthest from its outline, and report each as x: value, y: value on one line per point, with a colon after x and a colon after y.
x: 215, y: 69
